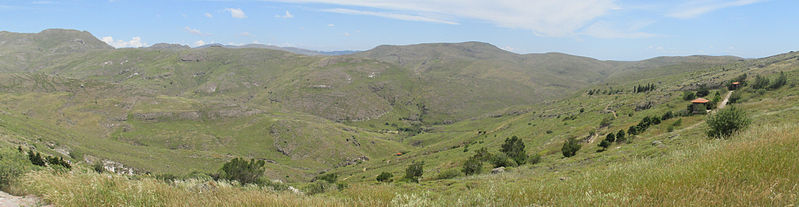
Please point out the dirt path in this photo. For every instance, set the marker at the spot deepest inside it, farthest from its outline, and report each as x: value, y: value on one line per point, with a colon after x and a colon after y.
x: 726, y: 99
x: 7, y: 200
x: 721, y: 106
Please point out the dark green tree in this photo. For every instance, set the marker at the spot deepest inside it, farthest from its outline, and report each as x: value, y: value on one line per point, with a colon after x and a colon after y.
x: 633, y: 130
x: 472, y: 166
x: 570, y: 147
x: 514, y: 148
x: 760, y: 82
x: 240, y: 170
x: 385, y: 177
x: 727, y: 121
x: 688, y: 95
x: 482, y: 155
x: 780, y: 81
x: 35, y: 158
x: 414, y: 171
x: 620, y: 136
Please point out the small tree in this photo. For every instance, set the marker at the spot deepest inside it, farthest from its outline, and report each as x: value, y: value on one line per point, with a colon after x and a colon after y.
x: 620, y: 136
x: 35, y: 158
x: 414, y: 171
x: 482, y: 155
x: 633, y: 130
x: 514, y: 148
x: 780, y: 81
x: 735, y: 98
x: 570, y: 147
x: 472, y: 166
x: 760, y: 82
x: 702, y: 92
x: 502, y: 160
x: 385, y: 177
x: 535, y: 158
x: 726, y: 122
x: 688, y: 95
x: 605, y: 122
x: 243, y: 171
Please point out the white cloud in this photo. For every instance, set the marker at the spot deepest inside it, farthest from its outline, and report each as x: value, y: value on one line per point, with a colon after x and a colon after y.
x: 288, y: 15
x: 346, y: 34
x: 195, y: 31
x: 42, y: 2
x: 246, y: 34
x: 134, y: 42
x: 607, y: 30
x: 209, y: 15
x: 331, y: 25
x: 543, y: 17
x: 391, y: 15
x: 697, y: 8
x: 199, y: 43
x: 236, y: 13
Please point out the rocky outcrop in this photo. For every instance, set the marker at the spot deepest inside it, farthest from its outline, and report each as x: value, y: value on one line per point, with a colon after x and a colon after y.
x: 162, y: 116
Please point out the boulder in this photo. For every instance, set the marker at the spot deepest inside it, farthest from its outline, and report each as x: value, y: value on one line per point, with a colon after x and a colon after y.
x: 498, y: 170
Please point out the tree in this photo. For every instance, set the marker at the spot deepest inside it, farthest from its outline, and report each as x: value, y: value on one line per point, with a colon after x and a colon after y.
x: 502, y: 160
x: 633, y: 130
x: 780, y: 81
x: 702, y: 92
x: 734, y: 98
x: 668, y: 115
x: 606, y: 121
x: 620, y: 136
x: 482, y: 155
x: 385, y: 177
x: 514, y: 148
x: 414, y: 171
x: 240, y: 170
x: 570, y: 147
x: 726, y: 122
x: 35, y: 158
x: 687, y: 95
x: 472, y: 166
x: 760, y: 82
x: 604, y: 144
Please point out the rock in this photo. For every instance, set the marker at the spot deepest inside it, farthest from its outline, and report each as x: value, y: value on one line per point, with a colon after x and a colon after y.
x: 498, y: 170
x: 562, y: 178
x: 657, y: 143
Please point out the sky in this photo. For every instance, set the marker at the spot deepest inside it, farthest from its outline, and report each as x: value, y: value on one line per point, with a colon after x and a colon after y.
x: 602, y: 29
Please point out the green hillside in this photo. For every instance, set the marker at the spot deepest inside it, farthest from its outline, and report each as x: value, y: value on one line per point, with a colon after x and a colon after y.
x: 180, y: 114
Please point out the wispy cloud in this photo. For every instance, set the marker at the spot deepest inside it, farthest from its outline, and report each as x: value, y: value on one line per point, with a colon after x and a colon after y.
x: 607, y: 30
x: 42, y: 2
x: 288, y: 15
x: 390, y: 15
x: 209, y: 15
x: 199, y: 43
x: 195, y: 31
x: 697, y: 8
x: 246, y: 34
x: 543, y: 17
x: 134, y: 42
x: 236, y: 13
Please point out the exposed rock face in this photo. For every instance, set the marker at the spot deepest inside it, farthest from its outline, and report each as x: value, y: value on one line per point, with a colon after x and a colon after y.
x: 498, y: 170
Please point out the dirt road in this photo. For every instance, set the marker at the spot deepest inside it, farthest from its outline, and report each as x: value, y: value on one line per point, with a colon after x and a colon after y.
x: 7, y: 200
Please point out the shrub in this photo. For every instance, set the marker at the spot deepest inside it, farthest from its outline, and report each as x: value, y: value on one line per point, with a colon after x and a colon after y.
x: 385, y: 177
x: 726, y: 122
x: 549, y: 131
x: 735, y: 97
x: 502, y: 160
x: 317, y: 187
x: 668, y: 115
x: 534, y: 158
x: 414, y: 171
x: 605, y: 122
x: 482, y: 155
x: 620, y: 136
x: 760, y: 82
x: 633, y: 130
x: 688, y: 95
x: 472, y: 166
x: 514, y: 148
x: 58, y: 161
x: 570, y: 147
x: 98, y: 167
x: 780, y: 81
x: 330, y: 178
x: 702, y: 92
x: 240, y: 170
x: 35, y: 158
x: 448, y: 174
x: 13, y: 165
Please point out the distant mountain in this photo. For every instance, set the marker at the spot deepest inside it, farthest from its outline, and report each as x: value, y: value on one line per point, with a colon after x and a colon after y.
x: 287, y: 49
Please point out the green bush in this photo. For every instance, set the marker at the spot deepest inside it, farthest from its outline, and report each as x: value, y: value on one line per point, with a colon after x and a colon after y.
x: 240, y: 170
x: 760, y: 82
x: 502, y: 160
x: 472, y: 166
x: 35, y: 158
x: 620, y: 136
x: 780, y: 81
x: 514, y: 148
x: 534, y: 158
x: 98, y: 167
x: 448, y: 174
x: 330, y: 178
x: 317, y: 187
x: 735, y: 97
x: 385, y: 177
x: 12, y: 165
x: 570, y: 147
x: 726, y: 122
x: 688, y: 95
x: 483, y: 155
x: 414, y: 171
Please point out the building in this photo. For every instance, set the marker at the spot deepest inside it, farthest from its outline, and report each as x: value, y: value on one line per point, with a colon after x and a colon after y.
x: 735, y: 85
x: 699, y: 106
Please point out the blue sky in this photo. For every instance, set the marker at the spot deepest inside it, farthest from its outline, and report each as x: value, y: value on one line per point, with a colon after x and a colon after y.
x: 602, y: 29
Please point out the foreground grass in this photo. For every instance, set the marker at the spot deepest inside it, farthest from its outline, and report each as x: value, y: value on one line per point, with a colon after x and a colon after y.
x: 755, y: 168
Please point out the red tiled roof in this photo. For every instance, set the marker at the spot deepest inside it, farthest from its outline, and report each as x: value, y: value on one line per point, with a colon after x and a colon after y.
x: 736, y: 83
x: 700, y: 100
